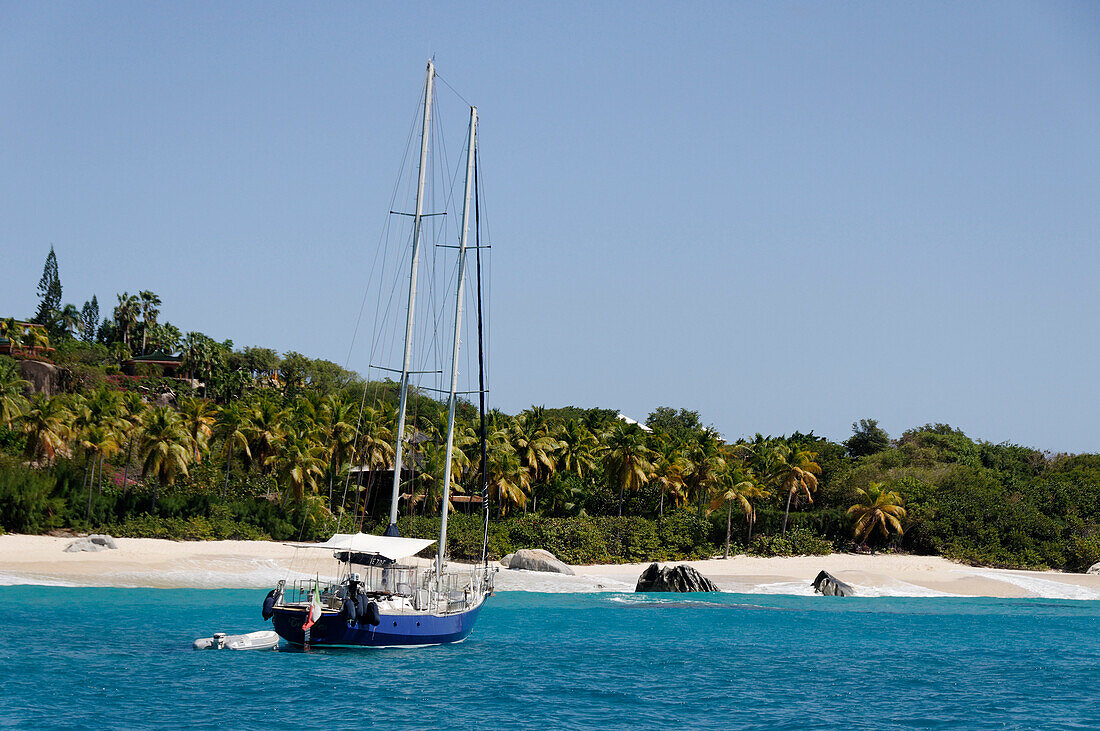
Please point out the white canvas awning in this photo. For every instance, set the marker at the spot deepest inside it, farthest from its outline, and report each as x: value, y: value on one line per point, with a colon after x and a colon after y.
x: 387, y: 546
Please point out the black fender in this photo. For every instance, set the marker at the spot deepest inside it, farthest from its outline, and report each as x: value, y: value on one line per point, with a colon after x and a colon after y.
x: 269, y: 605
x: 349, y: 611
x: 373, y: 617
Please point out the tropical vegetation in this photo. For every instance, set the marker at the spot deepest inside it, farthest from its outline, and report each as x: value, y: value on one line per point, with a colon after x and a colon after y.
x: 249, y: 443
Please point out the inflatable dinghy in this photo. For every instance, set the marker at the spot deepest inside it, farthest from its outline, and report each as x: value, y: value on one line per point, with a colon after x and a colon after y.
x: 262, y: 640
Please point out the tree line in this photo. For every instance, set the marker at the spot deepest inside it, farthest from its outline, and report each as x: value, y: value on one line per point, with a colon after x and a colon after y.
x: 309, y: 442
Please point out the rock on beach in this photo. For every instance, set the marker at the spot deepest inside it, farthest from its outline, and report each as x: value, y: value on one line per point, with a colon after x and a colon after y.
x: 680, y: 578
x: 536, y: 559
x: 829, y: 585
x: 91, y: 543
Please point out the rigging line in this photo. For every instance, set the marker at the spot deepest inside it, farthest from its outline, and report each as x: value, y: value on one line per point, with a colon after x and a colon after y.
x: 378, y: 248
x: 456, y: 92
x: 433, y: 352
x: 370, y: 278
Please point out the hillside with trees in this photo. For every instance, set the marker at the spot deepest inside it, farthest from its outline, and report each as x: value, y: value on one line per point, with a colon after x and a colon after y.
x: 203, y: 440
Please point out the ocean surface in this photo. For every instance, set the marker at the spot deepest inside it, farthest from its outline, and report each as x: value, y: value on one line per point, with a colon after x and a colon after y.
x: 122, y: 658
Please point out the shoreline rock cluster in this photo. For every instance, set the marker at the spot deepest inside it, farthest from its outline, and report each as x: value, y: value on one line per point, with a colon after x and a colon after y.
x: 682, y: 578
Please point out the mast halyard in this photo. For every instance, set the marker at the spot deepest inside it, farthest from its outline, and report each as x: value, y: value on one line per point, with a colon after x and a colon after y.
x: 391, y: 530
x: 453, y: 398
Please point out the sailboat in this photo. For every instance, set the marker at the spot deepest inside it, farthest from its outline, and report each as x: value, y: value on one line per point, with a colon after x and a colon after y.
x: 381, y: 599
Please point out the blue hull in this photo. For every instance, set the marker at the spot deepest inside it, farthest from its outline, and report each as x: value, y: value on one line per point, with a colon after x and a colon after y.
x: 332, y: 630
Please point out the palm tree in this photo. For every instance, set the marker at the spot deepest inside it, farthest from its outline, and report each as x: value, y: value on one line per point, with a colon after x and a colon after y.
x: 164, y: 337
x: 738, y: 485
x: 627, y: 457
x: 576, y: 449
x: 45, y: 423
x: 704, y: 452
x: 70, y: 319
x: 165, y: 447
x: 298, y: 462
x: 126, y: 314
x: 376, y: 449
x: 264, y: 429
x: 229, y: 427
x: 38, y: 338
x: 12, y: 329
x: 198, y: 416
x: 99, y: 441
x: 338, y: 419
x: 508, y: 479
x: 12, y: 390
x: 534, y: 445
x: 130, y: 416
x: 795, y: 473
x: 431, y: 476
x: 99, y: 414
x: 150, y: 308
x: 879, y: 509
x: 670, y: 467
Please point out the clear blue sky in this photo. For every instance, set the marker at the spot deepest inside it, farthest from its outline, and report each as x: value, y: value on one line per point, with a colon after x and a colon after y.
x: 784, y: 215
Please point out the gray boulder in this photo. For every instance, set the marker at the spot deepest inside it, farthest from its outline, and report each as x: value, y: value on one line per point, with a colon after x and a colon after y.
x: 1094, y: 569
x: 536, y: 559
x: 506, y: 560
x: 43, y: 377
x: 829, y: 585
x: 680, y: 578
x: 91, y: 543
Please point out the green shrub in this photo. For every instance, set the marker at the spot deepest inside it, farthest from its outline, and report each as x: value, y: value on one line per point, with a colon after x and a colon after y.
x: 195, y: 528
x: 27, y: 500
x: 798, y: 542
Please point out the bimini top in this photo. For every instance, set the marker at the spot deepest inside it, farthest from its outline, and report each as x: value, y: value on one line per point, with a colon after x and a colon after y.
x: 387, y: 546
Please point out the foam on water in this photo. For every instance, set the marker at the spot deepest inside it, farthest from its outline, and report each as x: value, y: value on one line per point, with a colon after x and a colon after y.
x: 898, y: 588
x: 792, y: 588
x: 549, y: 583
x: 264, y: 573
x: 10, y: 579
x: 245, y: 574
x: 1037, y: 587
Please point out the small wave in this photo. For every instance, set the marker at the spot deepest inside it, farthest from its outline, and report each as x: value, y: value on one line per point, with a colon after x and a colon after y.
x: 648, y: 599
x: 251, y: 574
x: 548, y: 583
x: 9, y: 579
x: 900, y: 588
x: 1039, y: 588
x: 793, y: 588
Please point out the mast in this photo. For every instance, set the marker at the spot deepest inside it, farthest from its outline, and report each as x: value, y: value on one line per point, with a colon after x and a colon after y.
x: 464, y: 234
x: 481, y: 372
x: 418, y: 218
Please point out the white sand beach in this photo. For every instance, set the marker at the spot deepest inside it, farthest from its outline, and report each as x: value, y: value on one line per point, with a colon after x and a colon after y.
x: 149, y: 562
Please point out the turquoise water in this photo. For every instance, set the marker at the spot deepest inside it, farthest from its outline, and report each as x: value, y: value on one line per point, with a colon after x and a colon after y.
x: 122, y: 658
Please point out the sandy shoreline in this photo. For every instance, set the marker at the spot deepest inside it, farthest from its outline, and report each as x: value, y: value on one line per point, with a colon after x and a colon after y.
x: 147, y: 562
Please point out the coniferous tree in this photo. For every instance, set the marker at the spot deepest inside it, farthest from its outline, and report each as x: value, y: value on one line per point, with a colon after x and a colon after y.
x: 89, y: 319
x: 49, y: 296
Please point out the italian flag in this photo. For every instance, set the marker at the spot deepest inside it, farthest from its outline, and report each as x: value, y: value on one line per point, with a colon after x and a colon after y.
x: 314, y: 611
